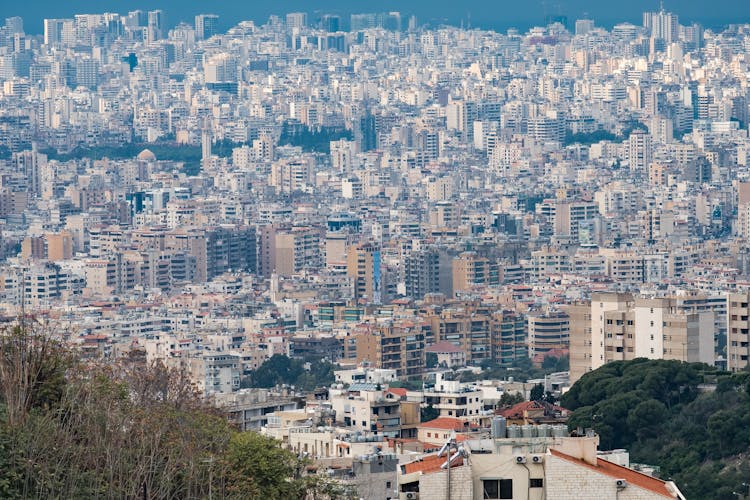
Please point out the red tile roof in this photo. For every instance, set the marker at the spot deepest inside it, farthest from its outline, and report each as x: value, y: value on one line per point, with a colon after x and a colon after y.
x: 398, y: 391
x: 430, y: 463
x: 448, y: 424
x: 618, y: 472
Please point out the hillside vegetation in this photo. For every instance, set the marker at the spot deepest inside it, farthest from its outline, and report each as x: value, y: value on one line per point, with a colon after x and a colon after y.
x: 127, y: 430
x: 689, y: 419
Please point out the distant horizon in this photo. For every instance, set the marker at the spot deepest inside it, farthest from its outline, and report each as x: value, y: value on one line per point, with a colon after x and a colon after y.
x: 497, y: 16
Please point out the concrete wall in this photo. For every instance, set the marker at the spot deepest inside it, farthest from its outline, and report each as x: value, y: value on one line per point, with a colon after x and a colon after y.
x: 435, y: 486
x: 576, y: 482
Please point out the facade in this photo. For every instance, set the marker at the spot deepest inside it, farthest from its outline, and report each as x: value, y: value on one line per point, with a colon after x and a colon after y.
x: 738, y: 326
x: 452, y: 399
x: 249, y: 409
x: 427, y: 271
x: 548, y: 332
x: 470, y: 269
x: 397, y: 346
x: 622, y: 327
x: 363, y: 266
x: 368, y: 411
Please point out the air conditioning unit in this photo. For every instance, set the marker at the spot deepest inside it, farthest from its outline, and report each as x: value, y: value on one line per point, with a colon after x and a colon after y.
x: 411, y: 495
x: 621, y: 484
x: 537, y: 459
x: 520, y: 459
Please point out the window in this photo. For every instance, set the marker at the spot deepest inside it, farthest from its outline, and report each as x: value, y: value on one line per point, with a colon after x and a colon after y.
x: 388, y: 485
x: 497, y: 488
x: 536, y: 482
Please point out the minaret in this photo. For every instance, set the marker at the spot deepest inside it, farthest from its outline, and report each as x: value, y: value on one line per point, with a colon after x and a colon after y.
x: 274, y: 288
x: 205, y: 147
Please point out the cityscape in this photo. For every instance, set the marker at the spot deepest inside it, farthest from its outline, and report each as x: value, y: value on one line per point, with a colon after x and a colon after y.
x: 363, y: 256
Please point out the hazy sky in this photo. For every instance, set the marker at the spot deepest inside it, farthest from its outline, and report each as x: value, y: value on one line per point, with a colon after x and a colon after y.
x: 484, y: 13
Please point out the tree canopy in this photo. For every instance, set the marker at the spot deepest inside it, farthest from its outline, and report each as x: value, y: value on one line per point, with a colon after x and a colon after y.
x: 283, y: 370
x: 126, y: 430
x: 665, y: 413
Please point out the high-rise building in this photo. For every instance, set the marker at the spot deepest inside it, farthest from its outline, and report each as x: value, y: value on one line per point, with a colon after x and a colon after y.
x: 619, y: 326
x: 297, y: 249
x: 206, y: 26
x: 548, y: 332
x: 14, y: 24
x: 584, y: 26
x: 221, y: 68
x: 31, y: 164
x: 640, y: 151
x: 59, y: 246
x: 155, y: 25
x: 217, y: 250
x: 427, y: 271
x: 471, y: 269
x: 359, y: 22
x: 330, y: 23
x: 58, y: 31
x: 87, y: 72
x: 342, y: 155
x: 661, y: 25
x: 738, y: 331
x: 364, y: 268
x: 743, y: 209
x: 296, y: 20
x: 395, y: 346
x: 206, y: 144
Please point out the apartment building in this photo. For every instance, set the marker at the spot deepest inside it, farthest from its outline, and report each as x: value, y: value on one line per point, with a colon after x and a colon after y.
x: 427, y: 271
x: 364, y: 408
x: 738, y: 326
x: 470, y: 269
x: 451, y: 398
x: 363, y: 266
x: 619, y: 326
x: 397, y: 345
x: 468, y: 329
x: 548, y: 331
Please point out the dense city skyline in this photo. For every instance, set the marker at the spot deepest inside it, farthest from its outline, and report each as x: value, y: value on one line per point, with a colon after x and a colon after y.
x: 330, y: 254
x: 485, y: 14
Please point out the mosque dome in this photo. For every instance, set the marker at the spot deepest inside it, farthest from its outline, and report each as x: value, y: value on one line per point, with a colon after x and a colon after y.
x: 146, y: 155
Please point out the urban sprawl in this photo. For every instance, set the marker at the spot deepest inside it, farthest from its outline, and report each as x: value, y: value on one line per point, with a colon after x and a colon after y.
x: 409, y: 203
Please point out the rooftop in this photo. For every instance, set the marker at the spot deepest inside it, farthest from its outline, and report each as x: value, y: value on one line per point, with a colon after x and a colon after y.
x: 618, y: 472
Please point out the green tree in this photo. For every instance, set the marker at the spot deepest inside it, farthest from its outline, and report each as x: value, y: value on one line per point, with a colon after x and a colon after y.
x: 259, y: 468
x: 655, y: 409
x: 431, y: 360
x: 280, y: 369
x: 428, y: 413
x: 125, y: 430
x: 537, y: 393
x: 508, y: 399
x: 646, y: 418
x: 33, y: 362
